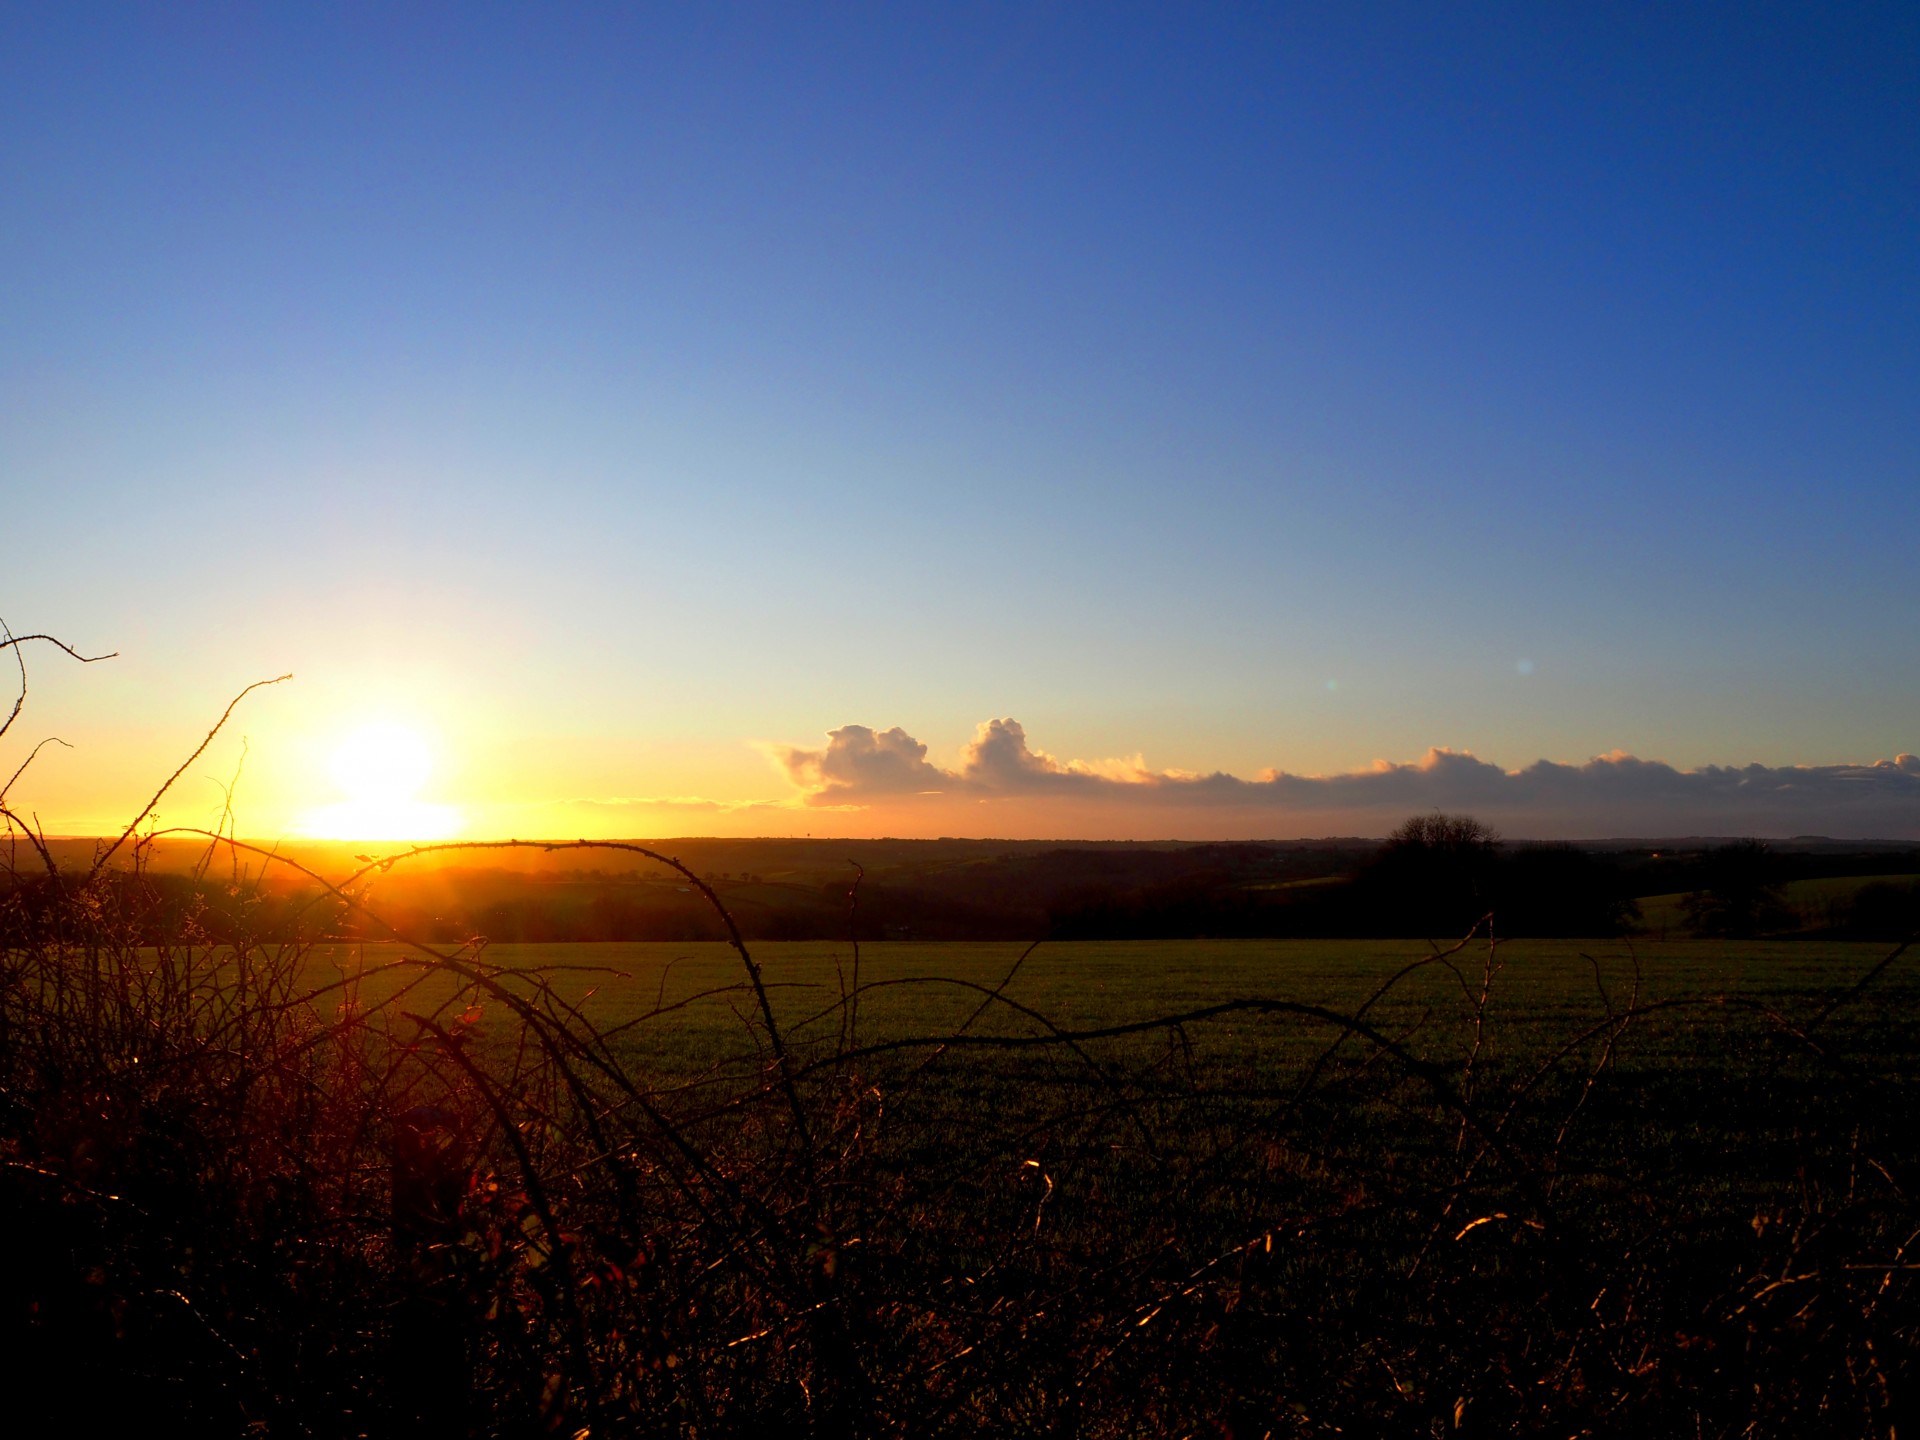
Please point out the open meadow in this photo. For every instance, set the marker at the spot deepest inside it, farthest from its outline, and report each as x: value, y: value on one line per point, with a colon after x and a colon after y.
x: 678, y: 1008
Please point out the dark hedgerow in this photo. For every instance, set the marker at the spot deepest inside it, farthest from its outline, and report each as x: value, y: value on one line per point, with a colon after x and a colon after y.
x: 435, y: 1196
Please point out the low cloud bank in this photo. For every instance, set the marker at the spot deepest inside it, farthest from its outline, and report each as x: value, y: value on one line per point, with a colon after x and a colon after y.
x: 1609, y: 794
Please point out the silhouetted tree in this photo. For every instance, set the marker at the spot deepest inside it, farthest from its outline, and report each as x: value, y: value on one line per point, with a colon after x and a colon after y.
x: 1740, y: 895
x: 1433, y: 877
x: 1444, y: 834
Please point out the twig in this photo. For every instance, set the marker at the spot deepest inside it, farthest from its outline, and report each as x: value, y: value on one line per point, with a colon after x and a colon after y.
x: 11, y: 641
x: 146, y: 810
x: 50, y: 740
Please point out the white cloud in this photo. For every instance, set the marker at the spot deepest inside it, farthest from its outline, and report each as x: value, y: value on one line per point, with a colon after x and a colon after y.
x: 1616, y: 793
x: 860, y: 762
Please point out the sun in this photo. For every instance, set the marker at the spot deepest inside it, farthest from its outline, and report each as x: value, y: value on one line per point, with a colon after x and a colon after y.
x: 381, y: 769
x: 382, y: 762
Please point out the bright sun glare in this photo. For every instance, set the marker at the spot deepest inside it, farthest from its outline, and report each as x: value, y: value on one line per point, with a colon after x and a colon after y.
x: 381, y: 768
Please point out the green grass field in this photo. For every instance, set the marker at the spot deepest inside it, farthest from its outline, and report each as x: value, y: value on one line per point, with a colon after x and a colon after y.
x: 685, y: 1003
x: 1715, y: 1064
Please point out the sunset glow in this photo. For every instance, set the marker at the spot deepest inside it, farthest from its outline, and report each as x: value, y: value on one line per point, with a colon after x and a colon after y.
x: 381, y: 769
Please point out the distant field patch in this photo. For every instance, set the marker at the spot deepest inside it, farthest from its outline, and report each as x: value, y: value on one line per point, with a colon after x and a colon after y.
x: 1818, y: 902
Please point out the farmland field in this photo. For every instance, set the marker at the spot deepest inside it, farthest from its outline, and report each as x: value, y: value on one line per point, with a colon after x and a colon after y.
x: 1714, y: 1056
x: 1713, y: 1091
x: 687, y: 1004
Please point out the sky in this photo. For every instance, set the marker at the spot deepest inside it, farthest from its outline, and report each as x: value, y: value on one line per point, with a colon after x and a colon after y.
x: 1032, y: 420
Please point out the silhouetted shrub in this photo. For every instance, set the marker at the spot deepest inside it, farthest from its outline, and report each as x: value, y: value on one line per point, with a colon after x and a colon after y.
x: 1883, y: 910
x: 1559, y: 890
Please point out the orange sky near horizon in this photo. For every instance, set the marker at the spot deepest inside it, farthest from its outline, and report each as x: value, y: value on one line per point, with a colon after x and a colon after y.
x: 401, y: 772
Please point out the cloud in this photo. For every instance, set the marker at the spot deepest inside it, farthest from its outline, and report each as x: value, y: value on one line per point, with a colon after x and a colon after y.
x: 858, y: 763
x: 1617, y: 793
x: 999, y: 758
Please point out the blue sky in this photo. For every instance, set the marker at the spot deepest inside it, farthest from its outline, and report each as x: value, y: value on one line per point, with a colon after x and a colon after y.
x: 618, y: 394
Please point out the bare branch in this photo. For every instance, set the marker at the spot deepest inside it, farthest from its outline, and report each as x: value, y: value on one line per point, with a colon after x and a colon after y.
x: 734, y: 938
x: 11, y: 639
x: 147, y: 810
x: 37, y: 841
x: 50, y: 740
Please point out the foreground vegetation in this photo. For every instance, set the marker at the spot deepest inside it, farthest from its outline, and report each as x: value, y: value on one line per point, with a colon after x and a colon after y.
x: 1237, y: 1188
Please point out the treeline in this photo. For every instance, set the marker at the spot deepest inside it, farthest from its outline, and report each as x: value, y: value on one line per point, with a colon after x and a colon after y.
x: 1434, y: 877
x: 1438, y: 874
